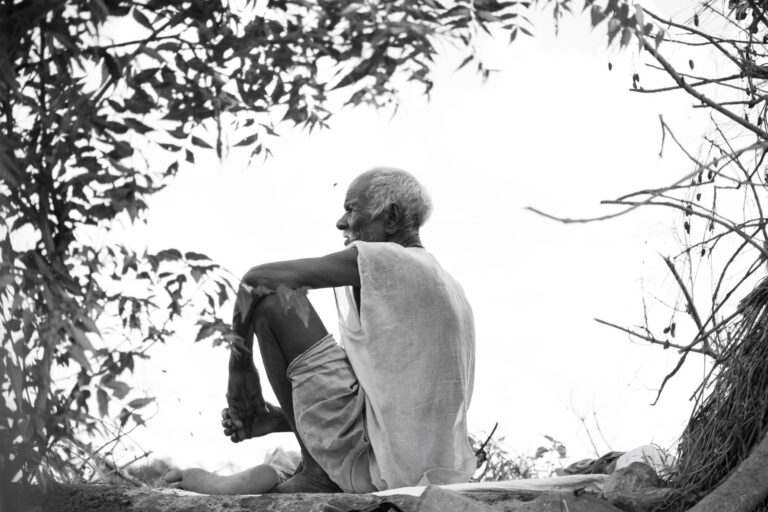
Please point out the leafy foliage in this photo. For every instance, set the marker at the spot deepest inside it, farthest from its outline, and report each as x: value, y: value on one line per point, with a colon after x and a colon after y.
x: 80, y: 115
x: 495, y: 463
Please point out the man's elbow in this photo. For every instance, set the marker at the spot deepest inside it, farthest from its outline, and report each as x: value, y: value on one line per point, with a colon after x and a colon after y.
x: 267, y: 277
x: 255, y: 278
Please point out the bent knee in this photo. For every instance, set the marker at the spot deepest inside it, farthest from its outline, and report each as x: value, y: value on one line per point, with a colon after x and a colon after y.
x: 268, y: 307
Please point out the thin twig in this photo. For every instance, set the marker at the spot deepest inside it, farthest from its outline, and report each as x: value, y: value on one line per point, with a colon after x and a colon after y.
x: 651, y: 339
x: 695, y: 93
x: 671, y: 374
x: 600, y: 431
x: 488, y: 439
x: 589, y: 435
x: 694, y: 84
x: 653, y: 193
x: 689, y: 209
x: 699, y: 33
x: 688, y: 298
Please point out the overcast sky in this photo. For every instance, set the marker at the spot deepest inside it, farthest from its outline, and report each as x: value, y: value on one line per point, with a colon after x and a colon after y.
x: 554, y: 129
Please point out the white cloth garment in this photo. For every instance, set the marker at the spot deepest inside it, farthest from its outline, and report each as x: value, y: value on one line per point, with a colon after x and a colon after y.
x: 412, y: 348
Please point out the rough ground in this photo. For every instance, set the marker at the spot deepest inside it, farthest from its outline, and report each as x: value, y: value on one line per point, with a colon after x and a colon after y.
x: 111, y: 498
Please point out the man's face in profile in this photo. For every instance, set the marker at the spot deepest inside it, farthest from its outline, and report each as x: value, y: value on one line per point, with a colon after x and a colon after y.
x: 357, y: 223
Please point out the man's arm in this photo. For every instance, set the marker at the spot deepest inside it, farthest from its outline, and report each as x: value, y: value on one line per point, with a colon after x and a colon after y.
x: 246, y: 410
x: 335, y: 269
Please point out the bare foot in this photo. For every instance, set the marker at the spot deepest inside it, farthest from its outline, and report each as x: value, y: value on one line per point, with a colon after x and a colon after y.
x: 193, y: 479
x: 307, y: 481
x: 256, y: 480
x: 240, y: 427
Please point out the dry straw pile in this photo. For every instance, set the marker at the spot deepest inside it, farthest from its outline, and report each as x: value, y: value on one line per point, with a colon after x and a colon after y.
x: 731, y: 415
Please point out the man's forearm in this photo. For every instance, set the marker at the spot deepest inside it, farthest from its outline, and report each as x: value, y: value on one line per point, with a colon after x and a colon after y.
x: 241, y: 352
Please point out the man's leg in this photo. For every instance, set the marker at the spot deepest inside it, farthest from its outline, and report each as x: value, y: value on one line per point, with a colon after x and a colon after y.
x: 282, y: 337
x: 256, y: 480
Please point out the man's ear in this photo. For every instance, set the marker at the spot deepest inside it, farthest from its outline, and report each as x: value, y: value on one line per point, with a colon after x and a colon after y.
x: 394, y: 219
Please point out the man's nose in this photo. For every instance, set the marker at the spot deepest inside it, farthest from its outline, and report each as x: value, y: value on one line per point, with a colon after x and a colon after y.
x: 342, y: 223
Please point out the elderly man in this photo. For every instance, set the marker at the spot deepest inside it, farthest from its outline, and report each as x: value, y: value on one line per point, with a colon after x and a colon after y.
x: 387, y: 408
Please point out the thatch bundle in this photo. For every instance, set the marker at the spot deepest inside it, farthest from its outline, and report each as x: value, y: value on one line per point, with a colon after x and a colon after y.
x: 732, y: 412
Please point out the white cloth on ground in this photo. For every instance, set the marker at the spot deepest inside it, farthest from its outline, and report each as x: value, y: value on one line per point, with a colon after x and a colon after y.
x: 285, y: 462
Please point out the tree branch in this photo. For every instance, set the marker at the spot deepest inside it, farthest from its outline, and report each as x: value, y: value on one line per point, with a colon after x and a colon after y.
x: 655, y: 341
x: 711, y: 216
x: 695, y: 84
x: 696, y: 94
x: 689, y: 299
x: 699, y: 33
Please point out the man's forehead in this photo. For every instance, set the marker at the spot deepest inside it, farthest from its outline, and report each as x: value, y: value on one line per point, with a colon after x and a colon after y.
x: 358, y: 188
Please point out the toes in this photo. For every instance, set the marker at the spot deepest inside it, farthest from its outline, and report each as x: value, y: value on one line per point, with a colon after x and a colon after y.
x: 173, y: 476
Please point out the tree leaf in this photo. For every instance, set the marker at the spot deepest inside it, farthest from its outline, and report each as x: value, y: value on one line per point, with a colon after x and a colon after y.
x: 145, y: 74
x: 141, y: 18
x: 80, y: 337
x: 639, y: 15
x: 17, y: 383
x: 169, y: 255
x: 119, y: 388
x: 169, y: 147
x: 196, y: 256
x: 136, y: 125
x: 78, y: 354
x: 626, y: 36
x: 89, y: 324
x: 197, y: 141
x: 597, y: 15
x: 205, y: 330
x: 140, y: 402
x: 247, y: 141
x: 102, y: 398
x: 466, y: 61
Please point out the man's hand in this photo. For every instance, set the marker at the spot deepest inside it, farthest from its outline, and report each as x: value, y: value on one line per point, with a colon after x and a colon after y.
x: 246, y: 415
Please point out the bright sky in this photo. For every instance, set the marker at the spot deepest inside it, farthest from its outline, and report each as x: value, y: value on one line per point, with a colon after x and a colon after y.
x: 554, y: 129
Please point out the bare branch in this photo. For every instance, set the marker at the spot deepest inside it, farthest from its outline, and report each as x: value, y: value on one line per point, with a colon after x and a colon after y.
x: 714, y: 41
x: 652, y: 193
x: 696, y: 94
x: 704, y: 214
x: 695, y: 84
x: 655, y: 341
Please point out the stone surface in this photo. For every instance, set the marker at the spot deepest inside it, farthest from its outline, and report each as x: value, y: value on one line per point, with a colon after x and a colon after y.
x: 560, y: 502
x: 436, y: 499
x: 528, y: 496
x: 636, y: 488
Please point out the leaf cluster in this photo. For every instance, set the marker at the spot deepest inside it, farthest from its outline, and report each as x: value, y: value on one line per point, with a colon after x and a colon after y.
x: 495, y: 463
x: 102, y: 102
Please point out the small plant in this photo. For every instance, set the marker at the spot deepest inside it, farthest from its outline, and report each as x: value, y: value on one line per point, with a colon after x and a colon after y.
x: 496, y: 463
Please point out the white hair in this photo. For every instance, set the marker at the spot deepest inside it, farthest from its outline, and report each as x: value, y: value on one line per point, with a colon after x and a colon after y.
x: 393, y: 186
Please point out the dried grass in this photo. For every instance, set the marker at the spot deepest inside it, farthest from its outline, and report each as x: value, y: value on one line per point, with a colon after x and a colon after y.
x: 732, y: 412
